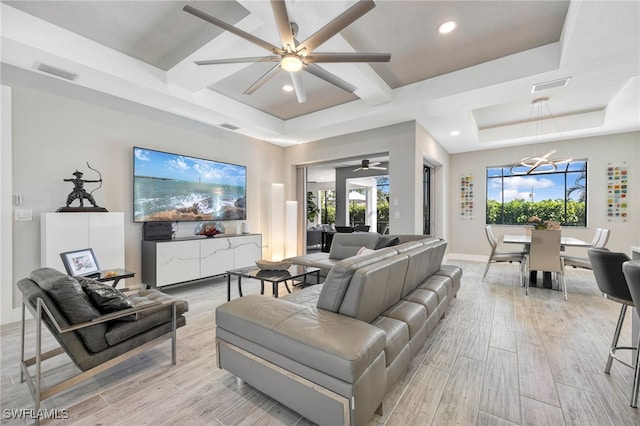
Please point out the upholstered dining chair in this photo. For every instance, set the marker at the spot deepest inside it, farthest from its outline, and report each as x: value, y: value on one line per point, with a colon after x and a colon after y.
x: 599, y: 240
x: 544, y: 255
x: 610, y: 278
x: 631, y: 271
x: 495, y: 256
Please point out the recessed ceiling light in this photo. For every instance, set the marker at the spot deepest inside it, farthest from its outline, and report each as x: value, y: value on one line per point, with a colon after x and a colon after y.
x: 447, y: 27
x: 455, y: 133
x: 287, y: 88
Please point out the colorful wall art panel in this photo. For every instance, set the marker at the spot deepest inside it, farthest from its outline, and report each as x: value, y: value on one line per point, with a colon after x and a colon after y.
x: 466, y: 197
x: 617, y: 191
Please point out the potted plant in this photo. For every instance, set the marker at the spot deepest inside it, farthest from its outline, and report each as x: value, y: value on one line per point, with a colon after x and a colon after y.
x: 312, y: 208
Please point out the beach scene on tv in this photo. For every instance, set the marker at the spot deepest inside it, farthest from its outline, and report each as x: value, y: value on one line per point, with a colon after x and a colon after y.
x: 171, y: 187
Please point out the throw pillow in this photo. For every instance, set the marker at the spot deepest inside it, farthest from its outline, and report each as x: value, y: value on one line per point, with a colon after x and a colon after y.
x: 364, y: 250
x: 387, y: 241
x: 104, y: 297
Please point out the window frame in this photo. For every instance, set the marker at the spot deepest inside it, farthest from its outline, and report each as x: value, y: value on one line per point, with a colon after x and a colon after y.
x: 566, y: 170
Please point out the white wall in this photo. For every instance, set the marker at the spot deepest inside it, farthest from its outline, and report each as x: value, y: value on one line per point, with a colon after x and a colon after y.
x: 407, y: 144
x: 6, y: 237
x: 467, y: 237
x: 54, y: 135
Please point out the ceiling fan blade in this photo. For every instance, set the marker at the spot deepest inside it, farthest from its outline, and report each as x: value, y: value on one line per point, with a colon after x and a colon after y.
x: 296, y: 79
x: 330, y: 78
x: 239, y: 60
x: 262, y: 80
x: 237, y: 31
x: 377, y: 168
x: 338, y: 24
x: 347, y: 57
x: 284, y: 25
x: 358, y: 169
x: 375, y: 163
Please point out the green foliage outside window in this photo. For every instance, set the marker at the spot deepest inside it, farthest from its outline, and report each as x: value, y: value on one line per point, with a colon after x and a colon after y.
x: 556, y: 195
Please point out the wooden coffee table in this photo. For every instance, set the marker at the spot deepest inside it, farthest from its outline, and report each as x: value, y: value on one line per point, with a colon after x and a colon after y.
x: 273, y: 277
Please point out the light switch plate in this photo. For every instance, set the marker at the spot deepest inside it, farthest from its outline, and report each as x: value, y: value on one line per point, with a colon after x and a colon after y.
x: 23, y: 214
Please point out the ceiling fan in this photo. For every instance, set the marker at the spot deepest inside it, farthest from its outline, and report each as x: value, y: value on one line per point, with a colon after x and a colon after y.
x: 366, y: 165
x: 294, y: 56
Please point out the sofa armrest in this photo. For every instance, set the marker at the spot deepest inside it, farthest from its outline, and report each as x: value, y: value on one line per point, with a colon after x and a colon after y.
x: 340, y: 346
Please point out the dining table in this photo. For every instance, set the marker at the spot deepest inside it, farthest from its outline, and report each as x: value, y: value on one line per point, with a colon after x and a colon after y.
x: 526, y: 240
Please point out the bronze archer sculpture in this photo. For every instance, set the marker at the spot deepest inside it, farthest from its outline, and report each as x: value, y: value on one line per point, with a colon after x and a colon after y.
x: 78, y: 190
x: 81, y: 194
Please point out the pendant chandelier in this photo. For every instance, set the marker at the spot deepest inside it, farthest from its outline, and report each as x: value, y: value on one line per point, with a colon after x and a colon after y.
x: 539, y: 163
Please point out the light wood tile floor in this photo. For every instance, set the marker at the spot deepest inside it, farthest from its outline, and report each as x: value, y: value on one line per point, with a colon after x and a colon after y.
x: 497, y: 358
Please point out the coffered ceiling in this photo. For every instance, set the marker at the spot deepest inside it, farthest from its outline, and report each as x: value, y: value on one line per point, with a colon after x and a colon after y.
x: 476, y: 80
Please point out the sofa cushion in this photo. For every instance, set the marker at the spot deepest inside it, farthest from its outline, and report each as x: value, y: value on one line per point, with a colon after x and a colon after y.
x: 412, y: 314
x: 337, y: 345
x: 317, y: 260
x: 439, y: 284
x: 424, y: 297
x: 397, y: 333
x: 374, y: 288
x: 419, y: 260
x: 338, y: 279
x: 74, y: 304
x: 347, y: 245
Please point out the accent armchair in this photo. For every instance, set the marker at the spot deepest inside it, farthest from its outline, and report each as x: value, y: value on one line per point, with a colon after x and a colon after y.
x: 96, y: 325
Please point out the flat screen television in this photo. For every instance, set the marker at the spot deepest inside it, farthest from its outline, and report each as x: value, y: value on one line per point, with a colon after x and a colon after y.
x: 172, y: 187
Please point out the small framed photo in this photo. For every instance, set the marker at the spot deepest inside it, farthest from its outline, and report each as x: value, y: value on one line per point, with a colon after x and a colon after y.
x: 80, y: 262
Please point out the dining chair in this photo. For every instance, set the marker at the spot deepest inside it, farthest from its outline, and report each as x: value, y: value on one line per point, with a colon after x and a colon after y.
x: 631, y: 270
x: 604, y: 239
x: 495, y: 257
x: 607, y: 268
x: 599, y: 240
x: 583, y: 262
x: 544, y: 255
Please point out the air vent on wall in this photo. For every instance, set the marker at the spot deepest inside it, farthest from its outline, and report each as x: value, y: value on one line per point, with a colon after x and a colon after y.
x: 57, y: 72
x: 541, y: 87
x: 229, y: 126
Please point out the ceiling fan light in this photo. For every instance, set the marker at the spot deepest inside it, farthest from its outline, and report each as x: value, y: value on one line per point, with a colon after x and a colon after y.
x: 291, y: 63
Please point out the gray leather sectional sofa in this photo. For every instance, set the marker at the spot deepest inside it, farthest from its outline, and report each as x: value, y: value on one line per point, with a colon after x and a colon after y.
x: 332, y: 351
x: 347, y: 245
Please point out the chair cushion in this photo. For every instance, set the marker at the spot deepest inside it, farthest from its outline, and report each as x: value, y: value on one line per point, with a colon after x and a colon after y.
x: 120, y: 331
x: 74, y: 304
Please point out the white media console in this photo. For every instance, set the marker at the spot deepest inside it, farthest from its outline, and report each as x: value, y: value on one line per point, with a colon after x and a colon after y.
x: 166, y: 262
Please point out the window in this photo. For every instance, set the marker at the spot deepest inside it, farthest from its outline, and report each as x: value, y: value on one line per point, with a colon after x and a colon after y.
x: 559, y: 195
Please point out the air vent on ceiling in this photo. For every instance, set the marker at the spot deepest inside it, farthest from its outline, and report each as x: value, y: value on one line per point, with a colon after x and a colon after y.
x: 57, y: 72
x: 229, y: 126
x: 541, y: 87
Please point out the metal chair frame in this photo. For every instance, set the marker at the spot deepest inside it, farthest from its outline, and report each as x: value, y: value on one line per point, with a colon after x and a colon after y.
x: 608, y: 271
x: 34, y: 383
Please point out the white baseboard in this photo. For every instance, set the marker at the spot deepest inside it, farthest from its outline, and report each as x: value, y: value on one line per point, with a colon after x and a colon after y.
x: 467, y: 257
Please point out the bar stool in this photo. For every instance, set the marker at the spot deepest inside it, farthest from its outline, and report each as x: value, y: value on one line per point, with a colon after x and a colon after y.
x: 631, y: 270
x: 607, y: 269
